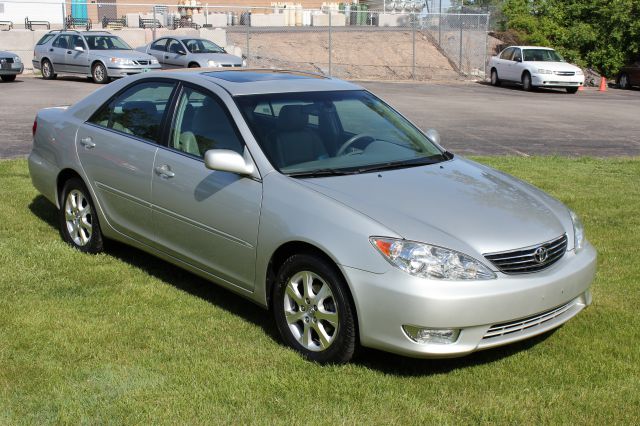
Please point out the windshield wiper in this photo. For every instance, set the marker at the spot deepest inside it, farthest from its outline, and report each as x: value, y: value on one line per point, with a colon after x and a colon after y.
x: 322, y: 172
x: 407, y: 163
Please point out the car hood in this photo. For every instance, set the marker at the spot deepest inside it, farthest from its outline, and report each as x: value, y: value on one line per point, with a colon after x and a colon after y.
x: 221, y: 58
x: 5, y: 53
x: 457, y: 204
x: 554, y: 66
x: 125, y: 54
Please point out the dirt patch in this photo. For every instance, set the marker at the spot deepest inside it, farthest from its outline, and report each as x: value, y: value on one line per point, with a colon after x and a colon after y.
x: 357, y: 55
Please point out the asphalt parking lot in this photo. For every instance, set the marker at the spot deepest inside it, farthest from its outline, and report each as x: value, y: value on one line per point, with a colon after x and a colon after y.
x: 472, y: 118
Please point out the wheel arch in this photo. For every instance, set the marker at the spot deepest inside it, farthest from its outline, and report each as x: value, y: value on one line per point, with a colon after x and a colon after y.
x: 197, y: 64
x: 62, y: 178
x: 288, y: 249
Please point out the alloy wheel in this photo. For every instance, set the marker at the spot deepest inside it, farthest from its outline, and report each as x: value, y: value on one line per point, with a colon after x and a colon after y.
x: 311, y: 311
x: 78, y: 217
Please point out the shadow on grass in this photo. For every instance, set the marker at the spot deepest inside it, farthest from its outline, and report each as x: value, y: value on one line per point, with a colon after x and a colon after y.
x: 397, y: 365
x: 192, y: 284
x: 172, y: 275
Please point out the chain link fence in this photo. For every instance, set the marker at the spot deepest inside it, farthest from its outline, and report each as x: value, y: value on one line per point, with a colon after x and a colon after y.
x: 348, y: 42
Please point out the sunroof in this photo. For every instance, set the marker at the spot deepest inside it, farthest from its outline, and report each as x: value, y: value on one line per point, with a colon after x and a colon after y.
x: 250, y: 76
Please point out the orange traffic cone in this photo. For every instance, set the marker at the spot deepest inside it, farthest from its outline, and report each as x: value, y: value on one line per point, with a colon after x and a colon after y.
x: 580, y: 88
x: 603, y: 85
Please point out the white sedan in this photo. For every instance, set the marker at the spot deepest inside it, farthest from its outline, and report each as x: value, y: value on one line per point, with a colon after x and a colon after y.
x: 535, y: 67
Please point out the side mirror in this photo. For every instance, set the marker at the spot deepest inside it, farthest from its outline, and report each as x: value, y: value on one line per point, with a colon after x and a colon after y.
x: 79, y: 49
x: 433, y: 136
x: 181, y: 52
x: 518, y: 59
x: 225, y: 160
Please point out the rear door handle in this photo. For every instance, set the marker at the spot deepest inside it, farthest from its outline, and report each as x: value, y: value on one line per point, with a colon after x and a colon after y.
x: 164, y: 171
x: 87, y: 142
x: 50, y: 50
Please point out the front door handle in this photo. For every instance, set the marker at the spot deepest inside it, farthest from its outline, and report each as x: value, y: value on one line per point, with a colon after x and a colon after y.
x: 87, y: 142
x: 50, y: 50
x: 164, y: 171
x: 69, y: 52
x: 166, y: 57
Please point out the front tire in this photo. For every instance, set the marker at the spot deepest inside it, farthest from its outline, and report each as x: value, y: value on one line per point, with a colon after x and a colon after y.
x: 99, y: 74
x: 79, y: 225
x: 572, y: 90
x: 47, y: 70
x: 495, y: 81
x: 312, y: 310
x: 8, y: 78
x: 526, y: 82
x: 194, y: 65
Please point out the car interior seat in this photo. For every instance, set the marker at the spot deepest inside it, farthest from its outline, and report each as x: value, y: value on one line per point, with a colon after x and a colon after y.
x: 293, y: 142
x: 212, y: 129
x: 141, y: 118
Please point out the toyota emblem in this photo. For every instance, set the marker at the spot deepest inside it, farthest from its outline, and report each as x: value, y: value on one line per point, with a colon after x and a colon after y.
x: 540, y: 255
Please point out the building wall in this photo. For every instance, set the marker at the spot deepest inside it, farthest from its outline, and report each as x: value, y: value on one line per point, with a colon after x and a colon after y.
x: 48, y: 10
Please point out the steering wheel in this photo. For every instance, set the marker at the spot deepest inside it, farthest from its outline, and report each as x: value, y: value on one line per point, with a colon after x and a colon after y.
x: 352, y: 140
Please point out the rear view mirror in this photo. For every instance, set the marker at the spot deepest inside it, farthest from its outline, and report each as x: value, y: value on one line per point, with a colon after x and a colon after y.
x: 225, y: 160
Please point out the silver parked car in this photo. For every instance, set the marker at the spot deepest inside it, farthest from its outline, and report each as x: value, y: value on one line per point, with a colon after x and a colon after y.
x: 10, y: 66
x: 313, y: 197
x: 96, y: 54
x: 190, y: 52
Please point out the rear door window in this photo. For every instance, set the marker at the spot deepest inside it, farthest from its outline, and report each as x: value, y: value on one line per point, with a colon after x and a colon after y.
x: 45, y: 39
x: 160, y: 45
x: 507, y: 54
x: 138, y: 111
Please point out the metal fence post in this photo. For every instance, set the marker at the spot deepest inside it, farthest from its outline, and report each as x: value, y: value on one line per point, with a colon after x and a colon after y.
x: 486, y: 42
x: 330, y: 47
x: 153, y: 30
x: 413, y: 41
x: 246, y: 22
x: 64, y: 20
x: 460, y: 59
x: 440, y: 25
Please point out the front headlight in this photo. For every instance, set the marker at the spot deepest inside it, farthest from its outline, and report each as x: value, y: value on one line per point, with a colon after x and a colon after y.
x: 212, y: 64
x: 579, y: 72
x: 244, y: 62
x: 427, y: 261
x: 154, y: 62
x: 543, y: 71
x: 17, y: 59
x: 578, y: 231
x: 122, y: 61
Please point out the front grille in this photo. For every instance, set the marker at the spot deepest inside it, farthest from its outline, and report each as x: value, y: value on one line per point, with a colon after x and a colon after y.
x: 140, y: 62
x: 6, y: 60
x: 566, y: 73
x: 529, y: 259
x: 526, y: 323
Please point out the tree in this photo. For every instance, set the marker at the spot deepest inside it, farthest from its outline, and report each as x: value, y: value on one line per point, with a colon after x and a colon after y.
x: 602, y: 34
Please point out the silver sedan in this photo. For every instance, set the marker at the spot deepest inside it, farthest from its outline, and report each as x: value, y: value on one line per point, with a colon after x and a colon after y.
x: 312, y: 197
x: 10, y: 66
x: 190, y: 52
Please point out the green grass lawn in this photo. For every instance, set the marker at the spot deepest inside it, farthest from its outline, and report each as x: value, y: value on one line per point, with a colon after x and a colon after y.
x: 125, y: 338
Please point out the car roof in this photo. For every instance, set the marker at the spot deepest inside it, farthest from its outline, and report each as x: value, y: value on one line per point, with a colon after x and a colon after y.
x: 263, y: 81
x: 533, y: 47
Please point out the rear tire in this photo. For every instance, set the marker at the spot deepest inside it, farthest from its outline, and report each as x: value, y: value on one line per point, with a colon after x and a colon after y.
x: 572, y: 90
x: 495, y: 81
x: 312, y: 310
x: 79, y: 226
x: 526, y: 82
x: 99, y: 74
x: 8, y: 78
x: 47, y: 70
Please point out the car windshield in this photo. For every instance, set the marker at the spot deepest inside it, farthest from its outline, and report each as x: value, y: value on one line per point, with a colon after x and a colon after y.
x: 106, y: 42
x: 198, y: 45
x: 542, y: 55
x: 326, y: 133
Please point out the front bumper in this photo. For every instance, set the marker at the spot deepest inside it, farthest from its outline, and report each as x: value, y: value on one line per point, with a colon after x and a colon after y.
x: 11, y: 69
x: 488, y: 313
x: 554, y: 80
x: 123, y: 71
